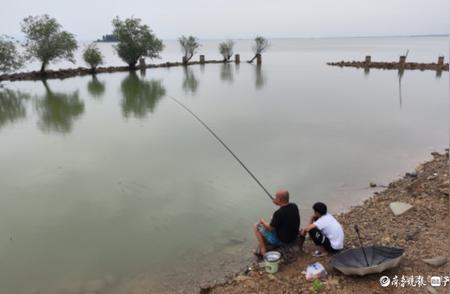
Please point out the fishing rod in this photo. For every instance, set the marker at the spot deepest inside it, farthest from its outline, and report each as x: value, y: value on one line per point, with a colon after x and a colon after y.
x: 221, y: 142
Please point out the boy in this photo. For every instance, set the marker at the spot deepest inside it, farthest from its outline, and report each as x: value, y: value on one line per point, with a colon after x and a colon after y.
x: 325, y: 231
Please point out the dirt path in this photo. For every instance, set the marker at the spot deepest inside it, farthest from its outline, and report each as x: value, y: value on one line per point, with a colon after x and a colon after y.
x: 422, y: 231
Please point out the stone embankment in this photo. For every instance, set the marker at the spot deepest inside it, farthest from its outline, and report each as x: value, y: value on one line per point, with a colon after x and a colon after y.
x: 82, y: 71
x: 400, y: 65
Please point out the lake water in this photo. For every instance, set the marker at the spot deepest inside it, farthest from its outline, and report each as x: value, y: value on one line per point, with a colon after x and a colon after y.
x: 106, y: 183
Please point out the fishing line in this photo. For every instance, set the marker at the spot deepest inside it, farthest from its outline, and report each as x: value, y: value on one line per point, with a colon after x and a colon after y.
x: 221, y: 142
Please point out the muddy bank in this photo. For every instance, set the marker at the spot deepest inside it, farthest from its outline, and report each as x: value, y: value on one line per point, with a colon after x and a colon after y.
x: 82, y: 71
x: 422, y: 231
x: 392, y: 65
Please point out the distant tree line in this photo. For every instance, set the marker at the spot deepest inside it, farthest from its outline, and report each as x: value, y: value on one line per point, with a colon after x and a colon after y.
x: 108, y: 38
x: 47, y: 42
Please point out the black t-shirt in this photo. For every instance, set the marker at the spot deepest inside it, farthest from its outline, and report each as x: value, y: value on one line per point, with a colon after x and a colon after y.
x: 286, y: 222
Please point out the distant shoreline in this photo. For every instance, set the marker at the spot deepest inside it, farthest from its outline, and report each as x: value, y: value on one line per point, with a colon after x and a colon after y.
x: 20, y: 38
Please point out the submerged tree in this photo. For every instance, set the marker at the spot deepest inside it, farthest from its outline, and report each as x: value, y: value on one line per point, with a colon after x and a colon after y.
x: 140, y: 96
x: 261, y: 45
x: 226, y: 49
x: 189, y: 46
x: 46, y: 41
x: 10, y: 59
x: 92, y: 56
x: 135, y: 40
x: 58, y: 110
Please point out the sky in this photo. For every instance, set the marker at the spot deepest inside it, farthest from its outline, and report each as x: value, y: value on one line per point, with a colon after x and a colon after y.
x: 214, y: 19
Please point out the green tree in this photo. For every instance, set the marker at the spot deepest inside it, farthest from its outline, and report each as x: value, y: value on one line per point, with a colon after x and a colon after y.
x: 261, y: 45
x: 10, y: 59
x: 226, y: 49
x: 135, y: 40
x: 46, y: 41
x: 189, y: 46
x: 92, y: 56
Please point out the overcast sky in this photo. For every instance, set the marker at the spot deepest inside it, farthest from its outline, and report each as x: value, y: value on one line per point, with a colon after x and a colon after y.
x: 89, y: 19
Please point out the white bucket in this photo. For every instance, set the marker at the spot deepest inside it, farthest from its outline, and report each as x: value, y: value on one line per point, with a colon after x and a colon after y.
x: 272, y: 260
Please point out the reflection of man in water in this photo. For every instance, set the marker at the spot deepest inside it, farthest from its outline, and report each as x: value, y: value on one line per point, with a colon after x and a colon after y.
x: 283, y: 227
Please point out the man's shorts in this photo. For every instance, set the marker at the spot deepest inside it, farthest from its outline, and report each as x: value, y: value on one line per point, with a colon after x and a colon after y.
x: 320, y: 239
x: 270, y: 236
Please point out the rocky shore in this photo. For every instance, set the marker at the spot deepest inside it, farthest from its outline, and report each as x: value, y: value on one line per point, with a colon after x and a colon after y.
x: 82, y: 71
x: 419, y: 225
x: 392, y: 65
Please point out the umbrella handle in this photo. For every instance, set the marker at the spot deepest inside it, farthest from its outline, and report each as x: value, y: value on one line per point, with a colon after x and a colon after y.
x: 360, y: 244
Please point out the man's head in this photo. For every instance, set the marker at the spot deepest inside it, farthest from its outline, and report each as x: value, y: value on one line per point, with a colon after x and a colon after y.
x: 320, y: 209
x: 281, y: 198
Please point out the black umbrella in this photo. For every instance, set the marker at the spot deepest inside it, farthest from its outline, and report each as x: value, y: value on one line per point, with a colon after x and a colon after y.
x: 367, y: 260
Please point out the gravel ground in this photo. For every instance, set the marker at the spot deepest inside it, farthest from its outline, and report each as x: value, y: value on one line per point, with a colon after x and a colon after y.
x: 422, y: 231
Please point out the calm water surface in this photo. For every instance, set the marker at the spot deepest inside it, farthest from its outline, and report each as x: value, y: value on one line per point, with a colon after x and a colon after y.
x: 106, y: 182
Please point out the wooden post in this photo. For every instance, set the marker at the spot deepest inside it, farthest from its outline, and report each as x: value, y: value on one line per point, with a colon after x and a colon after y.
x: 237, y: 58
x: 258, y: 59
x: 142, y: 65
x: 368, y: 60
x: 202, y: 59
x: 440, y: 61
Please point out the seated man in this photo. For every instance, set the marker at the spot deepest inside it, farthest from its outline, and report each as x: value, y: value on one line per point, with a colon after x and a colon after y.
x: 325, y: 231
x: 283, y: 227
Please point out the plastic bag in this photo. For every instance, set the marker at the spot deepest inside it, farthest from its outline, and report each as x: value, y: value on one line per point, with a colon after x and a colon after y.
x: 315, y: 271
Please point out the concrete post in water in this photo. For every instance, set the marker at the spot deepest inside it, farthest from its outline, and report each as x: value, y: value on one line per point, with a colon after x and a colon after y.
x: 440, y: 61
x: 368, y: 60
x: 258, y: 59
x: 142, y: 65
x: 402, y: 61
x: 237, y: 58
x: 202, y: 59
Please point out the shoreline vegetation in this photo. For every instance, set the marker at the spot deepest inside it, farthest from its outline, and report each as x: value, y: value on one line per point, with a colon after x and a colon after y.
x: 422, y: 231
x: 47, y: 42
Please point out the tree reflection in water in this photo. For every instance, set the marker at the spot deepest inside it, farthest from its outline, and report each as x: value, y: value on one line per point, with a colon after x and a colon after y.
x: 190, y: 83
x: 226, y: 74
x: 12, y: 106
x: 140, y: 96
x: 58, y: 111
x: 95, y: 87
